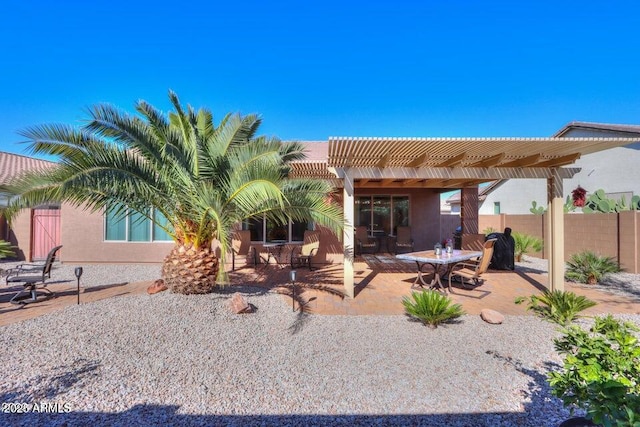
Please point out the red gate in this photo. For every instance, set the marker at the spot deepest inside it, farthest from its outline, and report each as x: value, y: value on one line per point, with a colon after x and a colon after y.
x: 45, y: 227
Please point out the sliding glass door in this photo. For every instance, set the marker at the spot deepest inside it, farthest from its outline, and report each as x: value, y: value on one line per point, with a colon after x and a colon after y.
x: 381, y: 214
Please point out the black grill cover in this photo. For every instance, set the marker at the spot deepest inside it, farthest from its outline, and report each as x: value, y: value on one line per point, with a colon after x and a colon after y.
x: 503, y: 251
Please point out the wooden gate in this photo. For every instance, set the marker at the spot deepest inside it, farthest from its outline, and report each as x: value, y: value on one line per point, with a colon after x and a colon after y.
x: 45, y: 231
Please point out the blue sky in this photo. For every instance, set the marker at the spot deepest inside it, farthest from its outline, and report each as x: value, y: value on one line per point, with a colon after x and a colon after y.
x: 330, y: 68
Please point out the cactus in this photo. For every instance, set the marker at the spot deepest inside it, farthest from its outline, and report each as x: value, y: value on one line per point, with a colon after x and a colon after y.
x: 535, y: 209
x: 598, y: 202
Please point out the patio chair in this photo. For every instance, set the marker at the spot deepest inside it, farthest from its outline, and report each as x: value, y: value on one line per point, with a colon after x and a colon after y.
x: 241, y: 248
x: 33, y: 278
x: 364, y: 242
x: 472, y: 270
x: 403, y: 241
x: 301, y: 256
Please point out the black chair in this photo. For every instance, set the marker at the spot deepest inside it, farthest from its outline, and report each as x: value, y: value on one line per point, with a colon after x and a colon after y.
x: 33, y: 278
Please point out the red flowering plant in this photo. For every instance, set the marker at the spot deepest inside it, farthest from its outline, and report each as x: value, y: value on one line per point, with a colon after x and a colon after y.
x: 579, y: 197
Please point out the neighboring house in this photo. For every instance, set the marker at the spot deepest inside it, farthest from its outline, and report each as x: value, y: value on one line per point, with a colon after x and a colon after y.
x: 42, y: 226
x: 614, y: 170
x: 452, y: 203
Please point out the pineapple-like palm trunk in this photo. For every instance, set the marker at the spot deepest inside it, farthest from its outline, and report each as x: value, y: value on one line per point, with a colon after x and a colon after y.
x: 188, y: 270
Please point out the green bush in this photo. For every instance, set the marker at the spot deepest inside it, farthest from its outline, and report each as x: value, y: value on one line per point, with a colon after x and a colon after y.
x: 601, y: 372
x: 561, y: 307
x: 6, y: 250
x: 431, y: 307
x: 525, y: 243
x: 587, y: 267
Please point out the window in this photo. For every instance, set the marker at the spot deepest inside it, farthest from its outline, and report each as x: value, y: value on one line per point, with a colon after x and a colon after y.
x: 268, y: 231
x: 130, y: 226
x: 496, y: 208
x: 382, y: 214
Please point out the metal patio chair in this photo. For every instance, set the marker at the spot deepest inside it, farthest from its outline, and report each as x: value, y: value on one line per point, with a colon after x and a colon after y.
x: 241, y: 248
x: 301, y: 256
x: 472, y: 270
x: 365, y: 243
x: 403, y: 241
x: 33, y: 278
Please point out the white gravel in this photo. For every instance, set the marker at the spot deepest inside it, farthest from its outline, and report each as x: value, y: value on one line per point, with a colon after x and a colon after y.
x: 98, y: 274
x: 170, y: 359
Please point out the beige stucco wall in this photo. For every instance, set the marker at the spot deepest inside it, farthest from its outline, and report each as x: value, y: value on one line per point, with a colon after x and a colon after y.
x: 614, y: 235
x: 20, y: 235
x: 82, y: 235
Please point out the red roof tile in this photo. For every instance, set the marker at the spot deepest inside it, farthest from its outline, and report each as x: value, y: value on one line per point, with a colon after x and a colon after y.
x: 12, y: 165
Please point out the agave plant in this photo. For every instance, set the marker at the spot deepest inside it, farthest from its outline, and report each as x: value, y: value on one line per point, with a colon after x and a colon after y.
x: 588, y: 267
x: 202, y: 178
x: 431, y: 307
x: 525, y: 243
x: 561, y: 307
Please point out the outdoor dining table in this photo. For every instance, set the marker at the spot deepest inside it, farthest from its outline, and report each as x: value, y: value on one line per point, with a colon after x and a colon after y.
x: 443, y: 261
x: 274, y: 250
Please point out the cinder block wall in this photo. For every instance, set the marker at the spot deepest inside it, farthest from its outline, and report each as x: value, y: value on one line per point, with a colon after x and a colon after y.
x: 614, y: 235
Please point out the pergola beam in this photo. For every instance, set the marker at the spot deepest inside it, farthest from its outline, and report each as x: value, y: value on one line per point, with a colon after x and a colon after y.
x: 560, y: 161
x: 419, y: 161
x: 483, y: 174
x: 521, y: 163
x: 453, y: 161
x: 490, y: 162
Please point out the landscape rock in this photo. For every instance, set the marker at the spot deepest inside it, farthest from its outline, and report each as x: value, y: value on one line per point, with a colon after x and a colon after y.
x: 491, y: 316
x: 239, y: 304
x: 157, y: 286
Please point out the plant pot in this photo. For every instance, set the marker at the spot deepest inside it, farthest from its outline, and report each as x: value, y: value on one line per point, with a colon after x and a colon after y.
x: 577, y: 422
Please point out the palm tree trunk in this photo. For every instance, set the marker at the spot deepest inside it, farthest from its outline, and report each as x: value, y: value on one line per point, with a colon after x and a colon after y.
x: 188, y: 270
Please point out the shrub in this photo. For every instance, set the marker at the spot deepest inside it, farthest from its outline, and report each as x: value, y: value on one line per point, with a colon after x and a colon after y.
x: 587, y: 267
x: 601, y: 372
x: 431, y: 307
x: 6, y: 250
x: 557, y: 306
x: 525, y: 243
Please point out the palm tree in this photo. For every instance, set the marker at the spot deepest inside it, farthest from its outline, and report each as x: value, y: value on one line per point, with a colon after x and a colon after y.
x: 204, y: 179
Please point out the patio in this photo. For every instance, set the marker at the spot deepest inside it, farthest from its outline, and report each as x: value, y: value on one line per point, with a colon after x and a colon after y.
x: 381, y: 283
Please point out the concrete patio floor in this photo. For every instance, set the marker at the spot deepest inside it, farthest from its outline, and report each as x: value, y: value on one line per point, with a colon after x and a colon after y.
x: 380, y: 286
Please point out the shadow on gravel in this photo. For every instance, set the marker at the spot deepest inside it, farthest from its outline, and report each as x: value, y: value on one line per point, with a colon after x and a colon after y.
x: 146, y: 415
x: 538, y: 394
x: 617, y: 285
x: 48, y: 387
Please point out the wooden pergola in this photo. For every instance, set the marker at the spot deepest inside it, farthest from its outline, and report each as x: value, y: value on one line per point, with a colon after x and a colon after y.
x: 454, y: 163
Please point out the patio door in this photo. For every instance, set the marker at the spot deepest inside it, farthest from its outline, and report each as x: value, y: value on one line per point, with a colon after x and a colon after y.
x: 382, y: 214
x: 45, y: 231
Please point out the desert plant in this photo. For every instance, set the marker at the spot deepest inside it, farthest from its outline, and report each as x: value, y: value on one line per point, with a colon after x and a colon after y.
x: 561, y: 307
x: 525, y: 243
x: 601, y: 372
x: 6, y: 250
x: 588, y: 267
x: 488, y: 231
x: 599, y: 202
x: 203, y: 178
x: 535, y: 209
x: 431, y: 307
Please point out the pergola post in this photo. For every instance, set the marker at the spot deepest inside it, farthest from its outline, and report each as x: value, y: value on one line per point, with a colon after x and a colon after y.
x: 555, y: 232
x: 348, y: 237
x: 469, y: 209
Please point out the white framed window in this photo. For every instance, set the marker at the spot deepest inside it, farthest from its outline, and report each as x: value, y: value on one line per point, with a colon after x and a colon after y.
x: 132, y: 226
x: 263, y: 230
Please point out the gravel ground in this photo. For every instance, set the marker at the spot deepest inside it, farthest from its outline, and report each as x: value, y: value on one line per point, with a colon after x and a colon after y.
x: 99, y: 274
x: 186, y: 360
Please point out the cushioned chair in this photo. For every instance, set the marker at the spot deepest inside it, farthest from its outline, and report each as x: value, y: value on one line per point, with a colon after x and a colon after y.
x: 33, y: 278
x: 472, y: 270
x: 241, y: 248
x: 364, y: 242
x: 403, y: 241
x: 302, y: 255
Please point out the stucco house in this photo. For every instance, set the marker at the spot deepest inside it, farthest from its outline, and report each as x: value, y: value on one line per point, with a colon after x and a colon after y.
x: 381, y: 182
x: 614, y: 170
